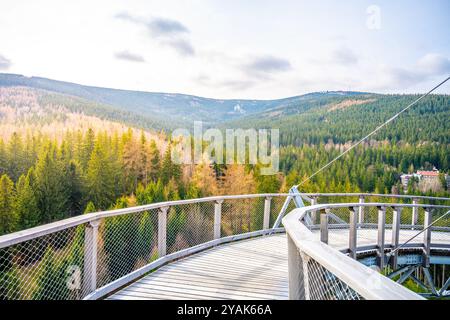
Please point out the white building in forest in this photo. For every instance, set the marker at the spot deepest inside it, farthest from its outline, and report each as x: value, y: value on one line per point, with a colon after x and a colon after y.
x: 425, y: 177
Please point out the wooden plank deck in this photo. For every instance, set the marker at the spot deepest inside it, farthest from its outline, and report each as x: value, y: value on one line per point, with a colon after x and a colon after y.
x: 248, y: 269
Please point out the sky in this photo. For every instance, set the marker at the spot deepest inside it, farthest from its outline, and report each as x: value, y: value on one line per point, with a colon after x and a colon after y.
x: 254, y: 49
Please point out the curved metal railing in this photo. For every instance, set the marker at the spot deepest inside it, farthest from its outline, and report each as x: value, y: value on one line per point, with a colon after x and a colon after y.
x: 91, y: 255
x: 318, y: 267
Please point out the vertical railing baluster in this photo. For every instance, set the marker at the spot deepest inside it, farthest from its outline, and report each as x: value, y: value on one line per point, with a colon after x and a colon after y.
x: 266, y: 220
x: 324, y: 227
x: 380, y: 237
x: 361, y: 211
x: 352, y: 233
x: 217, y: 218
x: 415, y: 213
x: 162, y: 231
x: 427, y: 238
x: 396, y: 220
x: 90, y: 256
x: 313, y: 213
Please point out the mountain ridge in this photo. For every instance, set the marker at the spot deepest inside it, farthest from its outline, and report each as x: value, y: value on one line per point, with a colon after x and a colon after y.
x: 178, y: 106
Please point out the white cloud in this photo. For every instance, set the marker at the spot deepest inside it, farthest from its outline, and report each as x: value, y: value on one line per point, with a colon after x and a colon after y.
x: 426, y: 68
x: 268, y: 64
x: 168, y: 32
x: 433, y: 64
x: 181, y: 46
x: 128, y: 56
x: 344, y: 56
x: 166, y: 27
x: 5, y: 63
x: 243, y: 50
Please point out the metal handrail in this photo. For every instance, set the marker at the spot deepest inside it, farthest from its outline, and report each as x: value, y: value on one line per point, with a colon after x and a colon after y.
x: 350, y: 271
x: 28, y: 234
x: 399, y: 196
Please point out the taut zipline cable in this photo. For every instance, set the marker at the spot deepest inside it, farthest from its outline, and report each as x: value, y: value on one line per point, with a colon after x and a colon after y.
x: 373, y: 132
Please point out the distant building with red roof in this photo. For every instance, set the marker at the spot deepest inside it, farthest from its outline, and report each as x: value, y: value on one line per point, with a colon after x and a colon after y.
x: 422, y: 175
x: 428, y: 174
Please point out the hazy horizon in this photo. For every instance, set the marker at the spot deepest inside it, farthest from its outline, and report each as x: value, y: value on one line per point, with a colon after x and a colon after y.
x: 230, y: 98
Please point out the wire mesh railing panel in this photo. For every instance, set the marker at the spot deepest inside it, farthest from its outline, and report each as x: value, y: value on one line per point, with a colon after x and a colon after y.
x: 406, y: 217
x: 440, y: 218
x: 370, y: 217
x: 61, y: 264
x: 275, y: 208
x: 440, y: 225
x: 242, y: 215
x: 189, y: 225
x: 277, y: 205
x: 324, y: 285
x: 45, y: 268
x: 126, y: 243
x: 338, y: 226
x: 420, y: 216
x: 411, y: 224
x: 367, y: 226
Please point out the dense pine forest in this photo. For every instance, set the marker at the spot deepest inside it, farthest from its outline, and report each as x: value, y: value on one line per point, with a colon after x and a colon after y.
x: 44, y: 180
x: 62, y: 156
x: 56, y: 160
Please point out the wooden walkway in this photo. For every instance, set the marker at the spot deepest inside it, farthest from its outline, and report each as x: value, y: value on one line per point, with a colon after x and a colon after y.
x: 248, y: 269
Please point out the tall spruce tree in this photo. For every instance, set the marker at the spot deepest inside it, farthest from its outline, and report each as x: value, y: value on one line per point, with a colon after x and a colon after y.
x: 50, y: 186
x: 26, y: 206
x: 154, y: 161
x: 100, y: 178
x: 75, y: 188
x: 8, y: 216
x: 16, y: 157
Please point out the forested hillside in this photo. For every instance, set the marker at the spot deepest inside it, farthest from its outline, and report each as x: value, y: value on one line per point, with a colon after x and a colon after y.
x: 344, y: 119
x: 22, y: 106
x: 43, y: 180
x: 61, y: 154
x: 157, y: 108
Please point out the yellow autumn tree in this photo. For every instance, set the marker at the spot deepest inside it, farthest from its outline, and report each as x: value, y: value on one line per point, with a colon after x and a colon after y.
x: 204, y: 179
x: 238, y: 215
x: 237, y: 181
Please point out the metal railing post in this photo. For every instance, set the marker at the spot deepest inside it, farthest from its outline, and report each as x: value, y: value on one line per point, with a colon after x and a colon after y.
x: 324, y: 228
x: 162, y: 231
x: 314, y: 212
x: 427, y: 238
x: 380, y: 237
x: 217, y: 218
x: 295, y: 272
x: 361, y: 211
x: 396, y: 220
x: 90, y: 256
x: 266, y: 220
x: 352, y: 233
x: 415, y: 213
